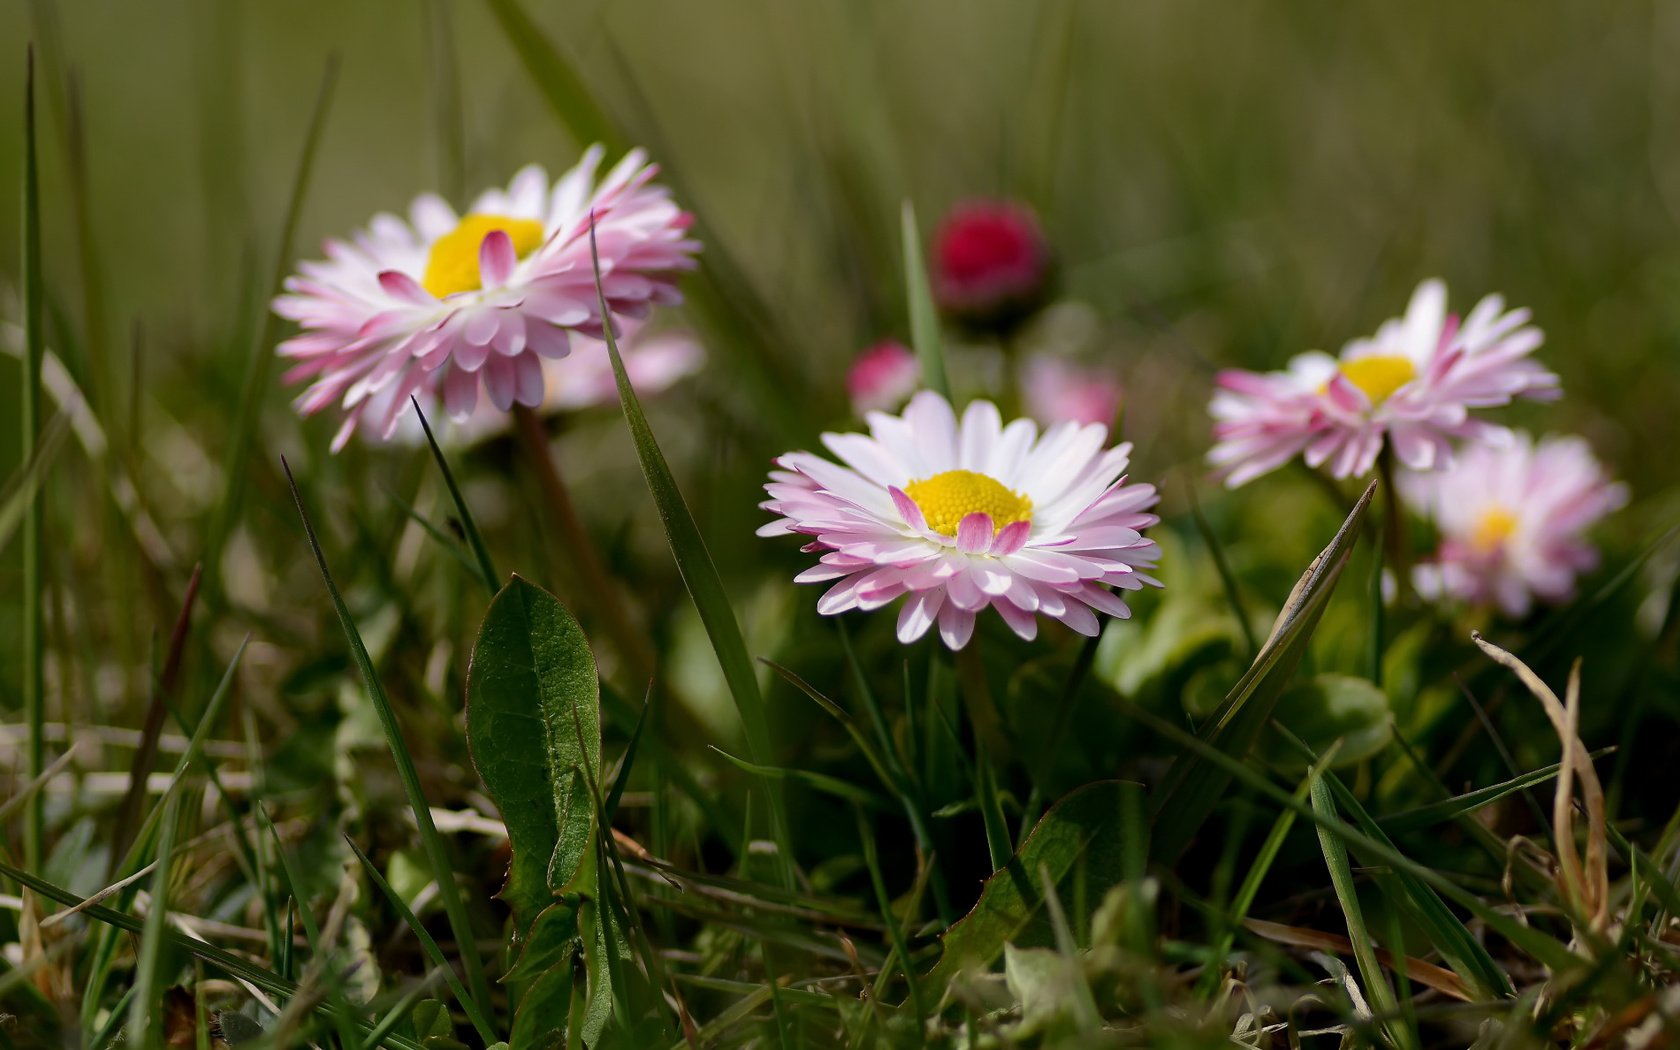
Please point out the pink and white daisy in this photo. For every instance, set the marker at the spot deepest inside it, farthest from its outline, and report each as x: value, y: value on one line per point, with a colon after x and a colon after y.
x: 1413, y: 385
x: 583, y: 379
x: 957, y: 517
x: 883, y: 377
x: 1513, y: 521
x: 451, y: 303
x: 1056, y: 389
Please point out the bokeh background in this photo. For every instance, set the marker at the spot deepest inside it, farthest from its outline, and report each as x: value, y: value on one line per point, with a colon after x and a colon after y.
x: 1223, y: 185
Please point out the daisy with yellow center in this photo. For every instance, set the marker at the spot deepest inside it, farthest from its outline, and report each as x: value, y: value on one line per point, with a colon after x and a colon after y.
x: 955, y: 517
x: 1513, y: 521
x: 1413, y: 386
x: 447, y: 306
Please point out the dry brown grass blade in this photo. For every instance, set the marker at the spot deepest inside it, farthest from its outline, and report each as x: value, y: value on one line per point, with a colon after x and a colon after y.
x: 1586, y: 884
x: 1427, y: 974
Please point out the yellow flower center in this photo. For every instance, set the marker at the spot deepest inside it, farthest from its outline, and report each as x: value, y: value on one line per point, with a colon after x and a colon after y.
x: 453, y: 264
x: 947, y: 498
x: 1492, y: 529
x: 1380, y: 375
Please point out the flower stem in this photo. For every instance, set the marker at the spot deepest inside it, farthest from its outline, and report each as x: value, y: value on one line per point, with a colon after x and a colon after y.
x: 592, y: 585
x: 1396, y: 553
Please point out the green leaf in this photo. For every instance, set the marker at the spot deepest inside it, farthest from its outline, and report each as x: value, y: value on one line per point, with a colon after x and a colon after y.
x: 534, y: 730
x: 1084, y: 828
x: 543, y: 976
x: 1193, y: 786
x: 924, y: 320
x: 1324, y: 710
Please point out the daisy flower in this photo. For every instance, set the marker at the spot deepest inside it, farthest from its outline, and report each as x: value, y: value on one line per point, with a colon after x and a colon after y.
x: 958, y: 517
x: 1413, y: 385
x: 883, y: 377
x: 453, y: 304
x: 1512, y: 521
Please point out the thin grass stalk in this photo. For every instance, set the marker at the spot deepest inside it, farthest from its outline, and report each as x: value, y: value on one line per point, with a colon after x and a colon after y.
x: 436, y: 855
x: 34, y: 521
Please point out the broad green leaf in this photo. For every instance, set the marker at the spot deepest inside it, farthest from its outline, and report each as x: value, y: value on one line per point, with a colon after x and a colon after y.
x: 1193, y: 786
x: 543, y: 976
x: 1324, y: 710
x: 534, y: 730
x: 1083, y: 829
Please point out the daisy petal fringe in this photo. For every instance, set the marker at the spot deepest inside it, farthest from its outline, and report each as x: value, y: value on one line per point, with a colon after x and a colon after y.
x: 959, y: 516
x: 462, y: 306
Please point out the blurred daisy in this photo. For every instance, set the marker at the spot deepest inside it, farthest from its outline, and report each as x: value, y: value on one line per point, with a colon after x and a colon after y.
x: 991, y: 263
x: 453, y: 304
x: 1512, y: 521
x: 1412, y: 384
x: 1055, y: 389
x: 581, y: 380
x: 957, y: 517
x: 883, y: 377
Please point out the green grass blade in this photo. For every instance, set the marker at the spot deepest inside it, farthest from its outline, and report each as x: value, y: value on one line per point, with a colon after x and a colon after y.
x: 34, y: 520
x: 609, y: 808
x: 816, y: 781
x: 924, y: 319
x: 1364, y: 950
x: 143, y: 1022
x: 481, y: 1024
x: 1193, y: 786
x: 437, y: 855
x: 1424, y: 817
x: 443, y: 540
x: 1542, y: 947
x: 700, y: 576
x: 223, y: 960
x: 866, y: 835
x: 260, y: 363
x: 1227, y: 579
x: 17, y: 499
x: 999, y: 846
x: 475, y: 540
x: 557, y: 79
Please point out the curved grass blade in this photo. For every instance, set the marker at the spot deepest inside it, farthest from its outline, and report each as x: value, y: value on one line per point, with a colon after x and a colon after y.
x: 475, y: 540
x: 699, y: 574
x: 1193, y: 785
x: 1536, y: 943
x: 481, y: 1024
x: 924, y: 319
x: 556, y: 78
x: 436, y: 855
x: 817, y: 781
x: 143, y: 1024
x: 1364, y: 951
